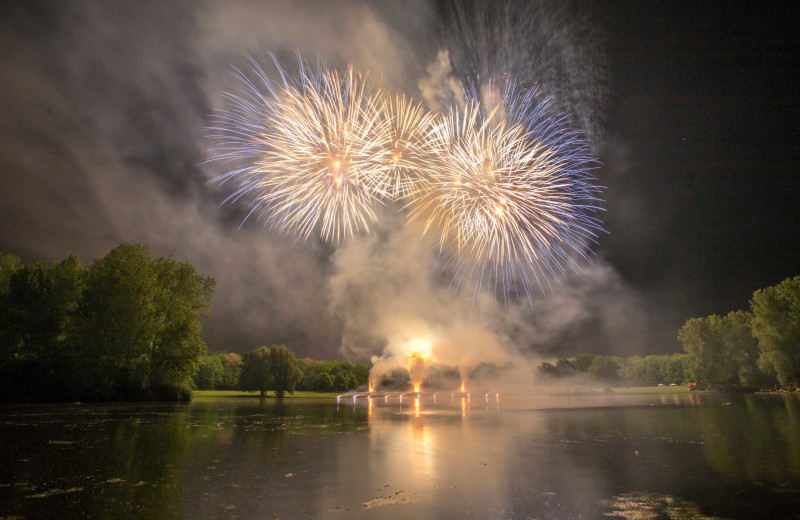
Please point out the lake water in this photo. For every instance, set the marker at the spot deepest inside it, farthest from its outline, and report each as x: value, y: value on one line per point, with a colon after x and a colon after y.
x: 556, y: 457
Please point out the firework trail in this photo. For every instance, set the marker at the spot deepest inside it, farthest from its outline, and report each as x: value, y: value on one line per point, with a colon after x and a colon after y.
x: 317, y: 151
x: 557, y: 44
x: 509, y: 192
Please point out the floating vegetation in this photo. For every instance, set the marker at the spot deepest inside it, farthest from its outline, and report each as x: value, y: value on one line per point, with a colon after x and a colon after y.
x: 653, y: 506
x: 399, y: 497
x: 54, y: 492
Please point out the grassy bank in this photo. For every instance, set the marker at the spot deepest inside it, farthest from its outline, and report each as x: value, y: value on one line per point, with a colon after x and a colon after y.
x: 228, y: 394
x: 652, y: 390
x: 236, y: 394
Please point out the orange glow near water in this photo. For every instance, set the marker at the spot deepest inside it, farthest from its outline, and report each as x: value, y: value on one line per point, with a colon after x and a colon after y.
x: 418, y: 362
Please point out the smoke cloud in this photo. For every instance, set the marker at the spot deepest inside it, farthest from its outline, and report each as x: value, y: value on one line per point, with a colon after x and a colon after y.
x: 392, y: 303
x: 440, y: 83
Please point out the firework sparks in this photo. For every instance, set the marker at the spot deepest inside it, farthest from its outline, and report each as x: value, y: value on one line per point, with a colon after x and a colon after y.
x: 409, y: 125
x: 509, y: 192
x: 499, y: 178
x: 316, y: 151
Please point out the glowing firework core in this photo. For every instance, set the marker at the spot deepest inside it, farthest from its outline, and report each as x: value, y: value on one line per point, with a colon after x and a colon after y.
x: 418, y: 363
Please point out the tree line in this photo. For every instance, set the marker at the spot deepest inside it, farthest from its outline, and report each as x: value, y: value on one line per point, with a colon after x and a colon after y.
x: 631, y: 371
x: 747, y: 350
x: 277, y: 368
x: 127, y: 327
x: 755, y: 348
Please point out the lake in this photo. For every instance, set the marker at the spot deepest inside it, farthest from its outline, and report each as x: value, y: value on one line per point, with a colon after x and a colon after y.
x: 647, y: 456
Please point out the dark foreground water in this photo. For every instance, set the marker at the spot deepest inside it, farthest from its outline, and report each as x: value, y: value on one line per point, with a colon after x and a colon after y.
x: 642, y: 457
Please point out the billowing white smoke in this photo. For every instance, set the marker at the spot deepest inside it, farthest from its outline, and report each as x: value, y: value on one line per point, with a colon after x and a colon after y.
x: 440, y: 83
x: 392, y: 304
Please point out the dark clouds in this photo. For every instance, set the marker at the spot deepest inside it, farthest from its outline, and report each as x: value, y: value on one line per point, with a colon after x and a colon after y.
x: 104, y: 104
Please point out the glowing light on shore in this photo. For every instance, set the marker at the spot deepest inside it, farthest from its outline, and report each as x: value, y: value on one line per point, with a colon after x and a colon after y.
x: 418, y: 362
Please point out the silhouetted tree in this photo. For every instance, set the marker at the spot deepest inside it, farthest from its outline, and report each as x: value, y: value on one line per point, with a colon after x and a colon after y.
x: 285, y: 371
x: 677, y: 369
x: 547, y: 370
x: 38, y: 310
x: 139, y: 321
x: 776, y: 325
x: 583, y: 362
x: 270, y: 368
x: 604, y: 369
x: 256, y: 373
x: 232, y: 368
x: 743, y: 350
x: 721, y: 350
x: 180, y: 297
x: 702, y: 340
x: 125, y: 325
x: 210, y: 373
x: 565, y: 367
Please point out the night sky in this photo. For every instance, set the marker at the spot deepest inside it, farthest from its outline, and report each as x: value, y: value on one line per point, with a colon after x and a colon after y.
x: 695, y: 120
x: 703, y: 198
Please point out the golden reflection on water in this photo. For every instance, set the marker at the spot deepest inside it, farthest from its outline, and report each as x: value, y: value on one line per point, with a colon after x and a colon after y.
x: 523, y: 459
x: 422, y: 451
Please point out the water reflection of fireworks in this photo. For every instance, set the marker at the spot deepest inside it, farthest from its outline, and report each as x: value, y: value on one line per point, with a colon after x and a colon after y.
x: 418, y: 402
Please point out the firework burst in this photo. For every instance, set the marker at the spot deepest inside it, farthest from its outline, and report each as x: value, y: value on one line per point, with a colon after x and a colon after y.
x: 316, y: 151
x: 500, y: 179
x: 509, y: 191
x: 408, y: 142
